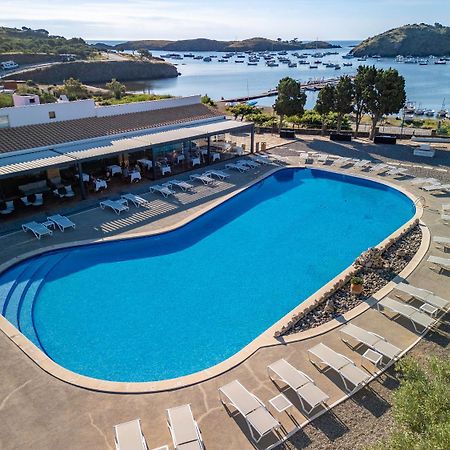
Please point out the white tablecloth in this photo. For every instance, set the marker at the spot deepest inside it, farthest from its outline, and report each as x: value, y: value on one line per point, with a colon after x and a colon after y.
x: 147, y: 163
x: 135, y: 176
x: 195, y: 162
x: 215, y: 156
x: 115, y: 169
x: 100, y: 184
x: 85, y: 177
x: 180, y: 158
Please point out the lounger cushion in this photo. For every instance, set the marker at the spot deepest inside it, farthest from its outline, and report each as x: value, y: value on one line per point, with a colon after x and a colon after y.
x: 354, y: 374
x: 387, y: 349
x: 289, y: 374
x: 312, y: 394
x: 182, y: 423
x: 261, y: 420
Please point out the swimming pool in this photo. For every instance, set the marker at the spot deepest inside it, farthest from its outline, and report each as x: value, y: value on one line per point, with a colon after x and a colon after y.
x: 168, y: 305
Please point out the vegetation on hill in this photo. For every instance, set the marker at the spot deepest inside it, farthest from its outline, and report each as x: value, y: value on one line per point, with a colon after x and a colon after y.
x: 26, y: 40
x: 416, y: 40
x: 201, y: 44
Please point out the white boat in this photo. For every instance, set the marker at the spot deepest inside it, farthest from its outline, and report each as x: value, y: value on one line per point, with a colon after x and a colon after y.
x: 348, y: 64
x: 441, y: 61
x: 9, y: 65
x: 429, y: 112
x: 423, y: 62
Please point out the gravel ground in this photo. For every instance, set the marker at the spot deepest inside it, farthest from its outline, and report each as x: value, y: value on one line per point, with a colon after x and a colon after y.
x: 366, y: 417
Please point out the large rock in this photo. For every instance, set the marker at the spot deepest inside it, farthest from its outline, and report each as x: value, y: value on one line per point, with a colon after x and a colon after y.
x: 99, y: 71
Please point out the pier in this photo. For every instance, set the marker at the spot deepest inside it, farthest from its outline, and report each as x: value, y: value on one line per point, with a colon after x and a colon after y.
x: 311, y: 85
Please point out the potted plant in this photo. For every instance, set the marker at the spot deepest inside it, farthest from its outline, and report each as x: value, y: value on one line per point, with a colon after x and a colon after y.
x: 356, y: 285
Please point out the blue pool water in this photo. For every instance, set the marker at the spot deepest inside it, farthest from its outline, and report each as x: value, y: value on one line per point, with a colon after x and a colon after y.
x: 160, y: 307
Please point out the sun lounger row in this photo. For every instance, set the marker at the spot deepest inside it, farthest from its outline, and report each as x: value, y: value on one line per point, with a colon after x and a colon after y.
x: 182, y: 426
x: 44, y: 229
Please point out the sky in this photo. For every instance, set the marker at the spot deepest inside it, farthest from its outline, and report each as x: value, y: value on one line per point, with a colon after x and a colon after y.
x: 219, y: 19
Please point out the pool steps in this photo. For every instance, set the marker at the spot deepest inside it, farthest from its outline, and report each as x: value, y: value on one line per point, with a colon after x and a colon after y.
x: 17, y: 295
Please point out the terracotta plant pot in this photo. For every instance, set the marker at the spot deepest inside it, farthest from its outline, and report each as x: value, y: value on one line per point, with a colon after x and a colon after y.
x: 356, y: 288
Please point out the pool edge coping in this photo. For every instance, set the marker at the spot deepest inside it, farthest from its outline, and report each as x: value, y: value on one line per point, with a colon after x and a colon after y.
x: 263, y: 340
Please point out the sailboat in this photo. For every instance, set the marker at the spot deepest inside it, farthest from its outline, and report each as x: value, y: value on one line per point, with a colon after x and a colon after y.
x: 442, y: 113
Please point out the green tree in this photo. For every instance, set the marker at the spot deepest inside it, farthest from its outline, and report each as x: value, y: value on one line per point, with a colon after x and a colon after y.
x: 325, y: 103
x: 291, y: 99
x: 74, y: 89
x: 384, y: 94
x: 207, y: 100
x: 242, y: 109
x: 359, y: 85
x: 144, y: 53
x: 343, y: 99
x: 421, y: 407
x: 117, y: 88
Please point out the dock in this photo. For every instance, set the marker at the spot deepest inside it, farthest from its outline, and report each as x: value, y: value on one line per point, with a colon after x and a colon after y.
x: 311, y: 85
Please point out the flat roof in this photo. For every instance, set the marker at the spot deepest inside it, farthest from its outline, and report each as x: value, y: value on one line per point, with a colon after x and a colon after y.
x: 11, y: 165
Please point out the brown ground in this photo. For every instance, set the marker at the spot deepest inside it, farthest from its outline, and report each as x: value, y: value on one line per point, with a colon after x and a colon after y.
x: 367, y: 416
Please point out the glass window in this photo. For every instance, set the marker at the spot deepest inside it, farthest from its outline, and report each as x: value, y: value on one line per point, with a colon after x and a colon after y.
x: 52, y: 115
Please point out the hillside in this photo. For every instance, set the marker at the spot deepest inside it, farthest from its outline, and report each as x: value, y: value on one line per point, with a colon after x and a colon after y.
x: 202, y: 44
x: 26, y: 40
x: 99, y: 71
x: 416, y: 40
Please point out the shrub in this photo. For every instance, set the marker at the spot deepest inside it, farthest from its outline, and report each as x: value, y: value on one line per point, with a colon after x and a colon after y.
x: 421, y: 406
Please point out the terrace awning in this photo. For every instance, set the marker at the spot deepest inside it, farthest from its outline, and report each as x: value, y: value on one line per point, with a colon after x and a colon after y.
x: 26, y: 161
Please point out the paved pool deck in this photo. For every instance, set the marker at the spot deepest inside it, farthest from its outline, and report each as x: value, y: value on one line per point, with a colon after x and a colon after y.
x: 38, y: 411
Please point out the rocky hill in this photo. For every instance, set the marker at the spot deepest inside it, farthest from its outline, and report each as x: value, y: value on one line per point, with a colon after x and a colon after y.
x: 415, y: 40
x: 99, y: 71
x: 211, y: 45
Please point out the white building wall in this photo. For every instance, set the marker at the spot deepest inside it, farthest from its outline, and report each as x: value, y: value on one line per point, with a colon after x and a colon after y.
x: 40, y: 114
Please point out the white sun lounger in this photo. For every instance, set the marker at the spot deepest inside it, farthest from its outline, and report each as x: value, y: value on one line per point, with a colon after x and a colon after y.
x: 323, y: 159
x: 238, y: 167
x: 416, y: 316
x: 116, y: 205
x: 183, y: 185
x: 446, y: 207
x: 397, y: 171
x: 436, y: 188
x: 344, y: 161
x: 442, y: 240
x: 442, y: 263
x: 248, y: 163
x: 137, y: 200
x: 263, y: 160
x: 203, y: 178
x: 62, y: 222
x: 445, y: 218
x: 184, y: 429
x: 164, y: 190
x: 423, y: 295
x: 344, y: 366
x: 38, y: 229
x: 421, y: 181
x: 361, y: 164
x: 378, y: 167
x: 256, y: 415
x: 372, y: 340
x: 128, y: 436
x: 220, y: 174
x: 299, y: 382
